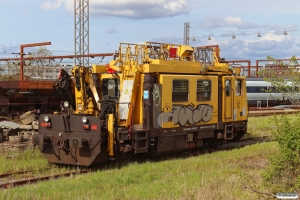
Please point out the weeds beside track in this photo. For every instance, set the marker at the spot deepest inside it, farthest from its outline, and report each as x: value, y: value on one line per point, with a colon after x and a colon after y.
x: 27, y: 177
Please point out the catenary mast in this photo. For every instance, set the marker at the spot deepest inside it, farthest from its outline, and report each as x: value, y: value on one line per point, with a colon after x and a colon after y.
x: 81, y: 20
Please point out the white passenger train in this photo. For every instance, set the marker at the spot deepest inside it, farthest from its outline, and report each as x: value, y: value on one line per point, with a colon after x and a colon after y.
x: 262, y: 93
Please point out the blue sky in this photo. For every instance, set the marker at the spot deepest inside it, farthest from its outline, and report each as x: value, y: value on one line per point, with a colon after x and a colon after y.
x: 135, y: 21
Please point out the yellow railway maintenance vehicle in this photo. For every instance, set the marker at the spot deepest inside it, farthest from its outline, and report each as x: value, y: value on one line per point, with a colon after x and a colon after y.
x: 154, y: 98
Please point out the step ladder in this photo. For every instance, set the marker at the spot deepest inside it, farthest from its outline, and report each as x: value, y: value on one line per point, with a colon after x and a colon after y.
x: 228, y: 133
x: 141, y: 142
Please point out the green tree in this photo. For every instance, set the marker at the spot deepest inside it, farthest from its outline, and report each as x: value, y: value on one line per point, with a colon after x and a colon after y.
x: 284, y: 171
x: 10, y: 71
x: 33, y: 69
x: 36, y: 68
x: 285, y: 79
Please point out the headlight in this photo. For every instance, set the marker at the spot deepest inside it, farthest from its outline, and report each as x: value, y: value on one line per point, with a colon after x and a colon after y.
x: 46, y: 118
x: 66, y: 104
x: 84, y: 120
x: 79, y: 107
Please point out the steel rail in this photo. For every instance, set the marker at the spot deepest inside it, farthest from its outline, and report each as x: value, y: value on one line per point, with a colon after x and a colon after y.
x: 21, y: 182
x: 228, y: 145
x: 14, y: 173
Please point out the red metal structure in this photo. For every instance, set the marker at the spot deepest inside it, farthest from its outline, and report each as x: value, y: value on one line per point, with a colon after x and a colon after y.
x: 18, y: 96
x: 242, y: 61
x: 22, y: 55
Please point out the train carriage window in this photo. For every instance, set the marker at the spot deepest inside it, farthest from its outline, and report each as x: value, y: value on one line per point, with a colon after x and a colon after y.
x: 260, y: 89
x: 294, y: 89
x: 272, y: 89
x: 203, y: 90
x: 238, y: 87
x: 252, y: 89
x: 180, y: 90
x: 263, y: 89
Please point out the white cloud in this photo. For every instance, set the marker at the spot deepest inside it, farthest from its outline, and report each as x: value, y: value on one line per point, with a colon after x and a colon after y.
x: 55, y: 5
x: 135, y: 9
x: 170, y: 40
x: 112, y: 30
x: 278, y: 46
x: 253, y: 7
x: 233, y: 21
x: 276, y: 37
x: 230, y: 21
x: 236, y: 49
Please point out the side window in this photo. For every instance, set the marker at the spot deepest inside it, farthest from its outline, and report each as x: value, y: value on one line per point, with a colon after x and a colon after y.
x: 110, y: 87
x: 180, y: 90
x: 258, y: 89
x: 296, y: 89
x: 238, y: 88
x: 227, y: 87
x: 203, y: 90
x: 272, y: 89
x: 263, y: 89
x: 252, y: 89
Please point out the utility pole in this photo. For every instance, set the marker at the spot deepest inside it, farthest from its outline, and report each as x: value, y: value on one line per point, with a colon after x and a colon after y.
x: 81, y: 20
x: 186, y: 36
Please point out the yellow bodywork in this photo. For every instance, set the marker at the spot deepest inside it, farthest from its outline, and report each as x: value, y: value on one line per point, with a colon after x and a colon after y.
x: 235, y: 107
x: 168, y: 62
x: 190, y: 112
x: 137, y: 60
x: 110, y: 124
x: 84, y: 81
x: 152, y: 98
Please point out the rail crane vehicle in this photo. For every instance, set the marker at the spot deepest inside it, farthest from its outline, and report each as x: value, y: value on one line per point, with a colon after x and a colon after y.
x: 153, y: 98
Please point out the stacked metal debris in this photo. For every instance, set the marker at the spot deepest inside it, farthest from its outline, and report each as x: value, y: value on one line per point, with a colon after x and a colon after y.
x: 8, y: 128
x: 26, y: 128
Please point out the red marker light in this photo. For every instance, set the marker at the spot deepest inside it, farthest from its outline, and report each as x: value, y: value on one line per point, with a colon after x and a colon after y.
x: 46, y: 124
x: 86, y: 126
x: 94, y: 127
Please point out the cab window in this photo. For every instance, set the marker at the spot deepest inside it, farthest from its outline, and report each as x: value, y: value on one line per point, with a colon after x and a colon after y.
x: 227, y: 87
x: 180, y: 90
x: 203, y: 90
x: 110, y: 87
x: 238, y: 86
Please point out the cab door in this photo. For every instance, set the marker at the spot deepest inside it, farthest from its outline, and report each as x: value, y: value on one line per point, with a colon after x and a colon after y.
x: 227, y: 98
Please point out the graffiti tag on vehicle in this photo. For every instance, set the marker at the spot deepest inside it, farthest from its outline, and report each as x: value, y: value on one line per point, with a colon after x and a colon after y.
x: 186, y: 115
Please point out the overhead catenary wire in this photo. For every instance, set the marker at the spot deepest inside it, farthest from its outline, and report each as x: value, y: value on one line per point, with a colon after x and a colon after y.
x: 238, y: 32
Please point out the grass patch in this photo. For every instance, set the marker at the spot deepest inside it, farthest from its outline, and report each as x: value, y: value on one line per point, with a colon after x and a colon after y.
x: 30, y: 159
x: 262, y: 126
x: 220, y: 175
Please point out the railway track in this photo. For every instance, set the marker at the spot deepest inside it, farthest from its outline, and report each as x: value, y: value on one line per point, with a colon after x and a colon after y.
x: 14, y: 173
x: 262, y: 113
x: 15, y: 182
x: 245, y: 142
